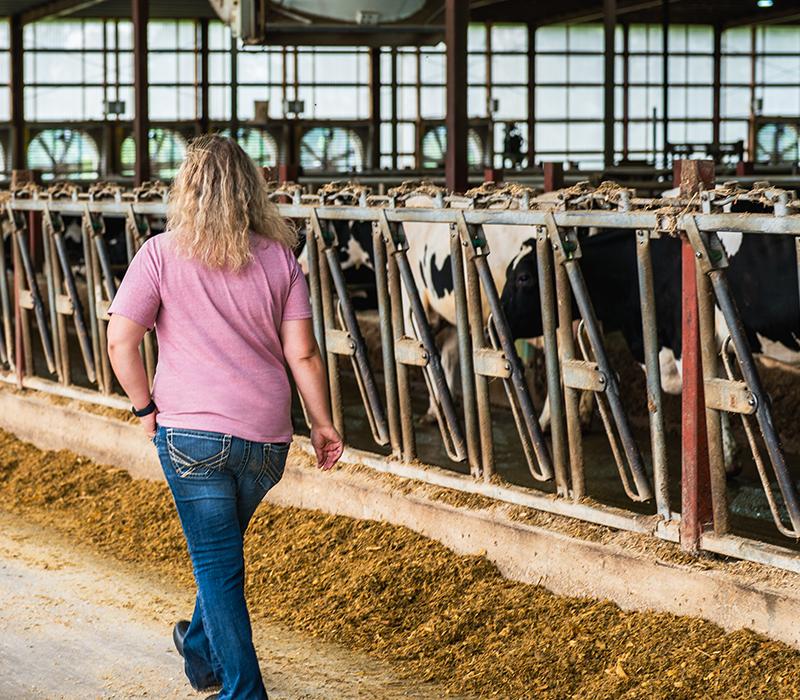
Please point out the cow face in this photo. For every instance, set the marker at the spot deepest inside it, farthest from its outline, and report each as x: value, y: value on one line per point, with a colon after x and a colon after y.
x: 520, y: 296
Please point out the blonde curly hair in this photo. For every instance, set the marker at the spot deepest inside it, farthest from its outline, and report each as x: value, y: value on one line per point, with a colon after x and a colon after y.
x: 219, y: 197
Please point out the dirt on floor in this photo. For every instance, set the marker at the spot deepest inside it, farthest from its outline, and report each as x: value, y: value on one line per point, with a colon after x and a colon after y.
x: 402, y: 598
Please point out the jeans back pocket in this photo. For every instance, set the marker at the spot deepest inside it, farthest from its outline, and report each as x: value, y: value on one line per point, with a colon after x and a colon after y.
x: 273, y: 462
x: 195, y: 454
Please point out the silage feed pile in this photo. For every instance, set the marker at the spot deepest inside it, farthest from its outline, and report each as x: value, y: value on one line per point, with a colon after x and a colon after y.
x: 436, y: 616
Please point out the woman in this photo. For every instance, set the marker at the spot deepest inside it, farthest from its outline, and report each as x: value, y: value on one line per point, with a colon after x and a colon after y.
x: 231, y: 312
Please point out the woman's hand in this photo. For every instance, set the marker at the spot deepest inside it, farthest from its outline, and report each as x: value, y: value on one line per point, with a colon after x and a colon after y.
x: 149, y: 424
x: 302, y: 355
x: 328, y: 445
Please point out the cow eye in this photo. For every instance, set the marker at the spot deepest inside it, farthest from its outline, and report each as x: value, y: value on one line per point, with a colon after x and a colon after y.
x: 524, y: 278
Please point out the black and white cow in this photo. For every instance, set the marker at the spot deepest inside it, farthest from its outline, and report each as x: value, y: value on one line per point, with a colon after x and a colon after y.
x: 429, y: 259
x: 355, y: 252
x: 430, y: 262
x: 761, y: 275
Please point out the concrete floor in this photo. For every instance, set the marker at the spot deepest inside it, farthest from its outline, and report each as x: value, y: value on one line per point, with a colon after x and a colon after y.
x: 74, y: 625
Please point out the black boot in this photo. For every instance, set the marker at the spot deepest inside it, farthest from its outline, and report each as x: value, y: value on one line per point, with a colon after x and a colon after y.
x: 179, y: 633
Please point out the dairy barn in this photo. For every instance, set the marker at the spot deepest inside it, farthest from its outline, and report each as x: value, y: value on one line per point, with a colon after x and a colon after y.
x: 545, y: 261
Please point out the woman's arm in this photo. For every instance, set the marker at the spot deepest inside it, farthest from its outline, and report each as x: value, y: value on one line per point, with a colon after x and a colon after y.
x: 124, y: 337
x: 302, y: 355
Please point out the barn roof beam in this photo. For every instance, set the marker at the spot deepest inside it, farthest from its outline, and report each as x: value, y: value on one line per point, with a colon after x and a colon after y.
x: 772, y: 17
x: 570, y: 12
x: 56, y: 8
x: 580, y: 15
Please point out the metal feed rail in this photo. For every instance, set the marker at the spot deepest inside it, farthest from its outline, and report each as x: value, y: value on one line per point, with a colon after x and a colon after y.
x: 572, y: 365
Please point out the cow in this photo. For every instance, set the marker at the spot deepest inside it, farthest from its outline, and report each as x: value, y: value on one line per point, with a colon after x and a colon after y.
x: 431, y: 265
x: 430, y: 262
x: 763, y: 284
x: 355, y: 253
x: 114, y: 237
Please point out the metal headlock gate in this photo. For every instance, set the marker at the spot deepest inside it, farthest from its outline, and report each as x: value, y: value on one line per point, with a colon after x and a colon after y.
x: 73, y: 313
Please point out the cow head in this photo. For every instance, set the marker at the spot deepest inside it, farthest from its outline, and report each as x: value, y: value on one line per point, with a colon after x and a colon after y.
x: 520, y: 296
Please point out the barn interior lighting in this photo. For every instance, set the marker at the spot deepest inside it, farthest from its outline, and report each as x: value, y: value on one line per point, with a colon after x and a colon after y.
x: 765, y: 3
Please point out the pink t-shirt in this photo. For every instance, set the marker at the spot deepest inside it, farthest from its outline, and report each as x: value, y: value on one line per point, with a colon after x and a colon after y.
x: 220, y: 362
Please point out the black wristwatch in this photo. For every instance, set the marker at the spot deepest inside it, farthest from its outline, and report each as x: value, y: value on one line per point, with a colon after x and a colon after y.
x: 146, y: 411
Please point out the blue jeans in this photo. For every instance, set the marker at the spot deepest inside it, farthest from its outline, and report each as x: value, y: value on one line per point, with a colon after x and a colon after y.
x: 217, y: 481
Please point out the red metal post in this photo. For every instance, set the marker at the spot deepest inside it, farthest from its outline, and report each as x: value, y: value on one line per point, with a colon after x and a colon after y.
x: 141, y: 118
x: 287, y: 172
x: 456, y: 19
x: 374, y: 108
x: 696, y: 502
x: 553, y: 176
x: 35, y: 237
x: 493, y: 175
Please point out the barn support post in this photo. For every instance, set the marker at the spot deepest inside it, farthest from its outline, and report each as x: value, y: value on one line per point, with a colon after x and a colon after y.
x: 374, y: 108
x: 553, y: 176
x: 664, y: 85
x: 394, y: 108
x: 696, y: 501
x: 235, y: 85
x: 751, y: 131
x: 626, y: 89
x: 717, y: 88
x: 201, y: 126
x: 456, y: 18
x: 141, y: 118
x: 609, y: 58
x: 17, y: 95
x: 531, y: 94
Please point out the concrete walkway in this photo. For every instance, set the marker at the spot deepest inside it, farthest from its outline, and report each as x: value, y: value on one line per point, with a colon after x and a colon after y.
x: 74, y: 625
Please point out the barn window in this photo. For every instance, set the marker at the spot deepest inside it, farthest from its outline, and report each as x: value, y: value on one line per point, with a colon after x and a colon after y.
x: 258, y: 144
x: 64, y: 153
x: 331, y: 149
x: 434, y: 147
x: 167, y: 149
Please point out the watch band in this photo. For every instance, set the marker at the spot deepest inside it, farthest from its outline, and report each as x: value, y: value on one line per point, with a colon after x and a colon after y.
x: 146, y: 411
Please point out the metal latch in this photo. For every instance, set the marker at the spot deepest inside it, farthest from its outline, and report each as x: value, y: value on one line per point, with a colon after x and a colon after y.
x: 583, y: 375
x: 730, y: 395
